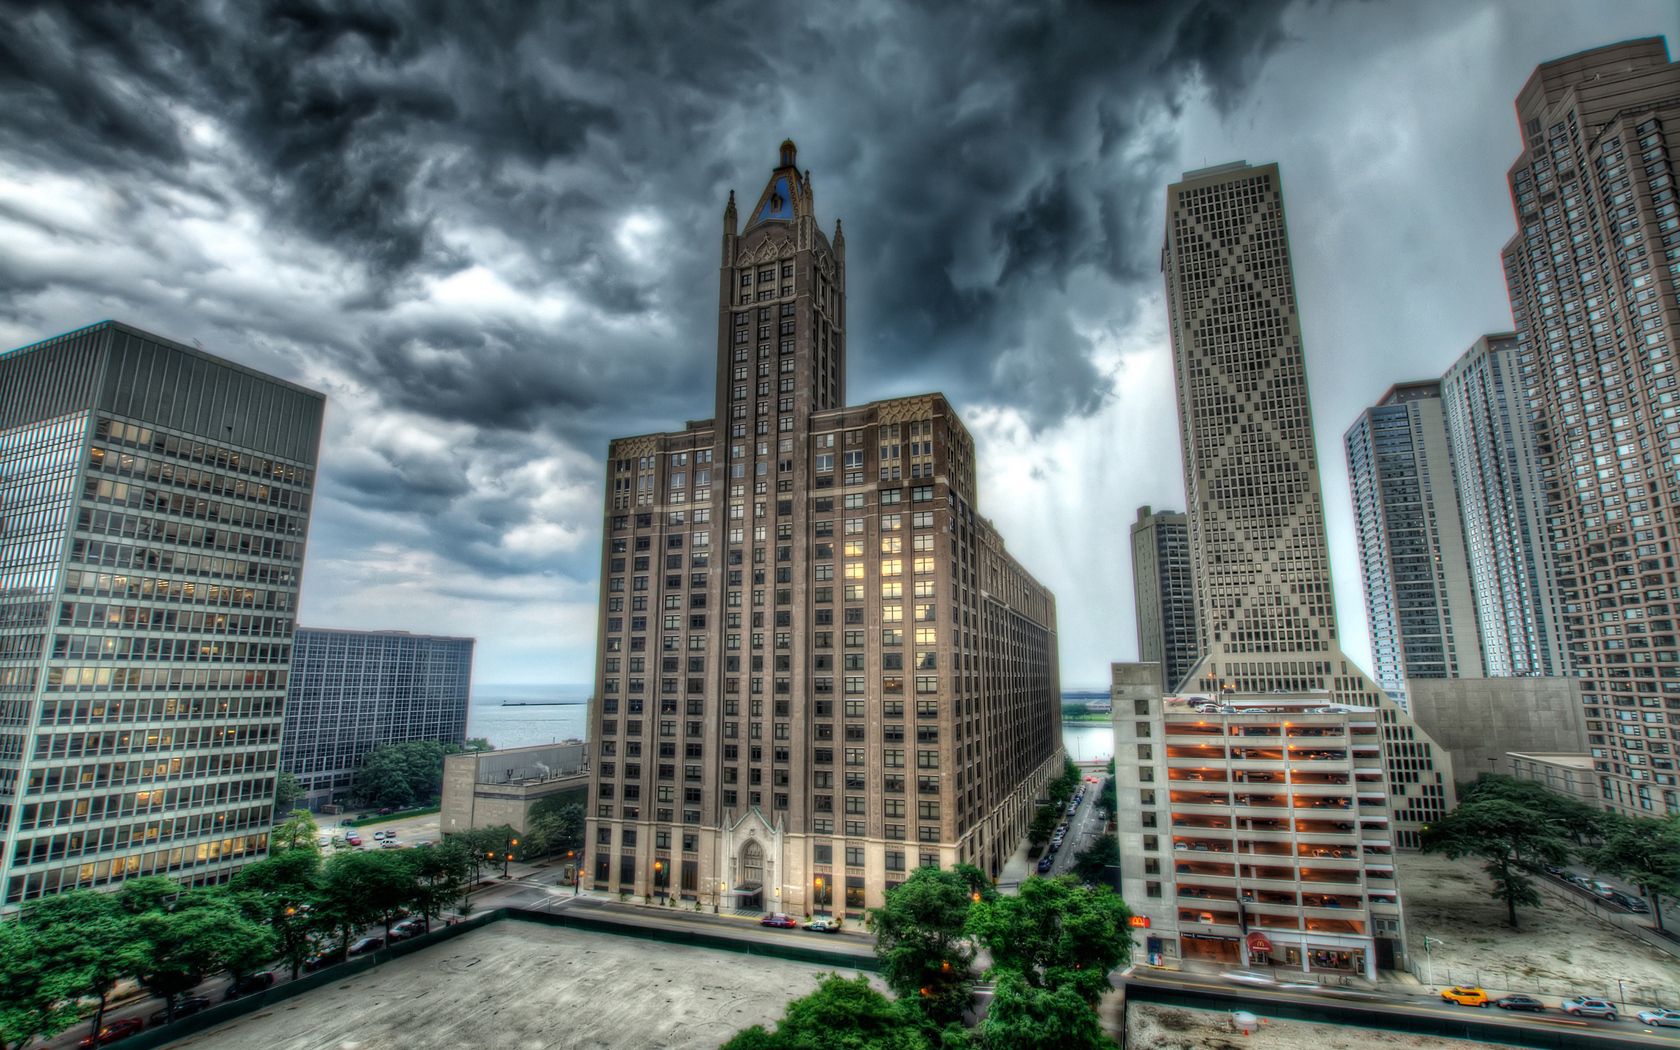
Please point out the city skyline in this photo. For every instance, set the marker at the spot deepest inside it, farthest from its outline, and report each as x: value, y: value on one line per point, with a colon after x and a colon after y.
x: 577, y: 272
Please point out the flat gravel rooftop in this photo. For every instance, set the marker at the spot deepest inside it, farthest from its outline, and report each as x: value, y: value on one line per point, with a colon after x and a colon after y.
x: 527, y: 986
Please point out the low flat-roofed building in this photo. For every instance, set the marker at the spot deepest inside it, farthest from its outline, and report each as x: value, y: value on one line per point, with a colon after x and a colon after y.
x: 1565, y: 773
x: 1276, y: 818
x: 1480, y: 720
x: 483, y: 789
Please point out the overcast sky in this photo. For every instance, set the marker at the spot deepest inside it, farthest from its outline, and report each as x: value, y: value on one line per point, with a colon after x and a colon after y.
x: 491, y: 239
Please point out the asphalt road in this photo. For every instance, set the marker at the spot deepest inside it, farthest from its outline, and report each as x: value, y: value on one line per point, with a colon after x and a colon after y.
x: 1257, y: 998
x: 1083, y: 828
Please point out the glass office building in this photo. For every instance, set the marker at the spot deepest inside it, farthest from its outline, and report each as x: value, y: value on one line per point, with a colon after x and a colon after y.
x: 154, y: 503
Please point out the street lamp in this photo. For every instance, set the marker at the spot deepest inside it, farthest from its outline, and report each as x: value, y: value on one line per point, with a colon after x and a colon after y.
x: 1429, y: 944
x: 577, y: 870
x: 659, y: 879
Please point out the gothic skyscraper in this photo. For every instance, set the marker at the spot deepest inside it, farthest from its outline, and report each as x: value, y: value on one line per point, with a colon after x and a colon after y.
x: 818, y: 666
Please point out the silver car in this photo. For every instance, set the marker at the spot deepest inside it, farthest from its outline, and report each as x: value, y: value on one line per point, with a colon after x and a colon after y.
x: 1582, y: 1006
x: 1660, y: 1018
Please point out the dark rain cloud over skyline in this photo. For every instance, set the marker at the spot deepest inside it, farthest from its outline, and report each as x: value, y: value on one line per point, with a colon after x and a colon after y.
x: 488, y: 233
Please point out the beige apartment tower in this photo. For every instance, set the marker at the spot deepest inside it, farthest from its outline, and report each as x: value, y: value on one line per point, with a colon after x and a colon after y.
x: 1165, y: 600
x: 819, y: 668
x: 1594, y: 274
x: 1265, y: 612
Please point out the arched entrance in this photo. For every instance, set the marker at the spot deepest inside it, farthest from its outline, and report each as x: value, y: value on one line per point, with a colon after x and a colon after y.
x: 749, y: 888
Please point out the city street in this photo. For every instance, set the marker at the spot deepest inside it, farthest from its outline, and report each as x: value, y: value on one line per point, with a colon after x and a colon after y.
x: 1083, y: 828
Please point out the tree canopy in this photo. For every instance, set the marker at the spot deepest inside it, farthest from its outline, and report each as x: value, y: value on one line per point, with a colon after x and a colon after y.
x: 1513, y: 826
x: 1023, y: 1017
x: 297, y: 831
x: 1645, y: 852
x: 919, y: 939
x: 1091, y: 864
x: 403, y: 775
x: 1055, y: 933
x: 846, y: 1014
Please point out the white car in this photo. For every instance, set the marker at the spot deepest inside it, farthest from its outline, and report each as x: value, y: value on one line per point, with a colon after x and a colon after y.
x: 1660, y: 1018
x: 1247, y: 977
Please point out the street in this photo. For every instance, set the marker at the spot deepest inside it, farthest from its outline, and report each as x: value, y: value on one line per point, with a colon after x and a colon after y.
x: 1083, y: 828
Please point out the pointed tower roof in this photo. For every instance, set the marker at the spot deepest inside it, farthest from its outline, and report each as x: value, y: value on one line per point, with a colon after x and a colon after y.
x: 787, y: 196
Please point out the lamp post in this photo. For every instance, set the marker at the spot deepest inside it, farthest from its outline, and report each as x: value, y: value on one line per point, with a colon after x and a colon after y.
x: 717, y: 902
x: 577, y: 869
x: 1429, y: 944
x: 822, y: 898
x: 659, y: 879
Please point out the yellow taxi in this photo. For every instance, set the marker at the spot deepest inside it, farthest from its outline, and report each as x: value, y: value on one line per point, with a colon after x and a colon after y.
x: 1465, y: 996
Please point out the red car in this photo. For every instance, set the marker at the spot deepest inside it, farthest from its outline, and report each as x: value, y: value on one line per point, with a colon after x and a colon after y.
x: 779, y: 920
x: 112, y: 1032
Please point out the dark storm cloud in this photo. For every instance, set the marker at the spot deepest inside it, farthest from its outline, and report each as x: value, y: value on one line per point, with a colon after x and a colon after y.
x: 982, y: 155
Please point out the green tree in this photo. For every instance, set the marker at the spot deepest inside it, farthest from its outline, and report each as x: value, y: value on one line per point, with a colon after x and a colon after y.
x: 442, y: 873
x: 478, y: 743
x: 919, y: 940
x: 1062, y: 788
x: 379, y: 886
x: 1022, y: 1017
x: 1108, y: 798
x: 1055, y: 933
x: 297, y: 831
x: 1091, y: 864
x: 87, y: 942
x: 1510, y: 834
x: 401, y: 775
x: 35, y: 999
x: 844, y: 1014
x: 1043, y: 825
x: 280, y: 890
x: 554, y: 825
x: 1645, y: 852
x: 287, y: 790
x: 202, y: 934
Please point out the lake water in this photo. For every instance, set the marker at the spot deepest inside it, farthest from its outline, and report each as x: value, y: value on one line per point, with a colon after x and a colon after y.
x: 564, y: 714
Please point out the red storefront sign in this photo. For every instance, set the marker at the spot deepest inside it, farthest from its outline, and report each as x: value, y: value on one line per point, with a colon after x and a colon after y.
x: 1141, y: 921
x: 1258, y: 944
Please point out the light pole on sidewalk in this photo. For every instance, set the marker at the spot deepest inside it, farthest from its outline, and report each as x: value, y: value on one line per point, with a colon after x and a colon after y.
x: 1429, y: 944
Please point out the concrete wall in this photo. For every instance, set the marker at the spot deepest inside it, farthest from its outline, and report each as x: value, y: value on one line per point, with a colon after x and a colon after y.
x: 1479, y: 720
x: 485, y: 788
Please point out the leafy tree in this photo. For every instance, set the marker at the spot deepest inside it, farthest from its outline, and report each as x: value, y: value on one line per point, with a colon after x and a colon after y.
x: 287, y: 790
x: 202, y: 934
x: 382, y: 884
x: 87, y: 941
x: 1043, y: 825
x: 1091, y: 864
x: 554, y: 824
x: 1646, y: 853
x: 1055, y: 933
x: 35, y: 998
x: 1509, y: 833
x: 978, y: 883
x: 1062, y: 788
x: 844, y: 1014
x: 148, y: 893
x: 479, y: 743
x: 280, y: 891
x: 1023, y: 1017
x: 1576, y: 819
x: 919, y: 940
x: 297, y: 831
x: 442, y: 872
x: 401, y: 775
x: 1108, y: 798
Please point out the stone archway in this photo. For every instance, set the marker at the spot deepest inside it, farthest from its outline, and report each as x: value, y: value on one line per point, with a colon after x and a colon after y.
x: 751, y: 881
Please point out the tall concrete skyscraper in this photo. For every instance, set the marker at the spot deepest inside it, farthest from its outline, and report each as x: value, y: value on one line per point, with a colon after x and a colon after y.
x: 154, y: 502
x: 819, y: 668
x: 1165, y: 599
x: 1503, y: 511
x: 1264, y: 606
x: 1594, y: 274
x: 1411, y: 544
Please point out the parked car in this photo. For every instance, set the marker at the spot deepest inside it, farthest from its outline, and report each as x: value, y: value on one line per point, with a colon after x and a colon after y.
x: 1520, y: 1002
x: 1045, y: 862
x: 1630, y: 902
x: 821, y: 924
x: 1583, y: 1006
x: 323, y: 957
x: 353, y: 839
x: 390, y: 844
x: 778, y: 920
x: 120, y: 1029
x: 184, y: 1007
x: 382, y: 834
x: 407, y: 928
x: 1660, y: 1018
x: 367, y: 944
x: 251, y: 982
x: 1465, y: 996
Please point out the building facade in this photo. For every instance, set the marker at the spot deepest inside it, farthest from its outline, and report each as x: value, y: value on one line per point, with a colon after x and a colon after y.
x: 1255, y: 835
x: 482, y: 789
x: 1503, y: 511
x: 154, y: 504
x: 1260, y: 563
x: 353, y: 691
x: 1165, y: 599
x: 819, y: 667
x: 1479, y: 720
x: 1418, y: 590
x: 1594, y: 275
